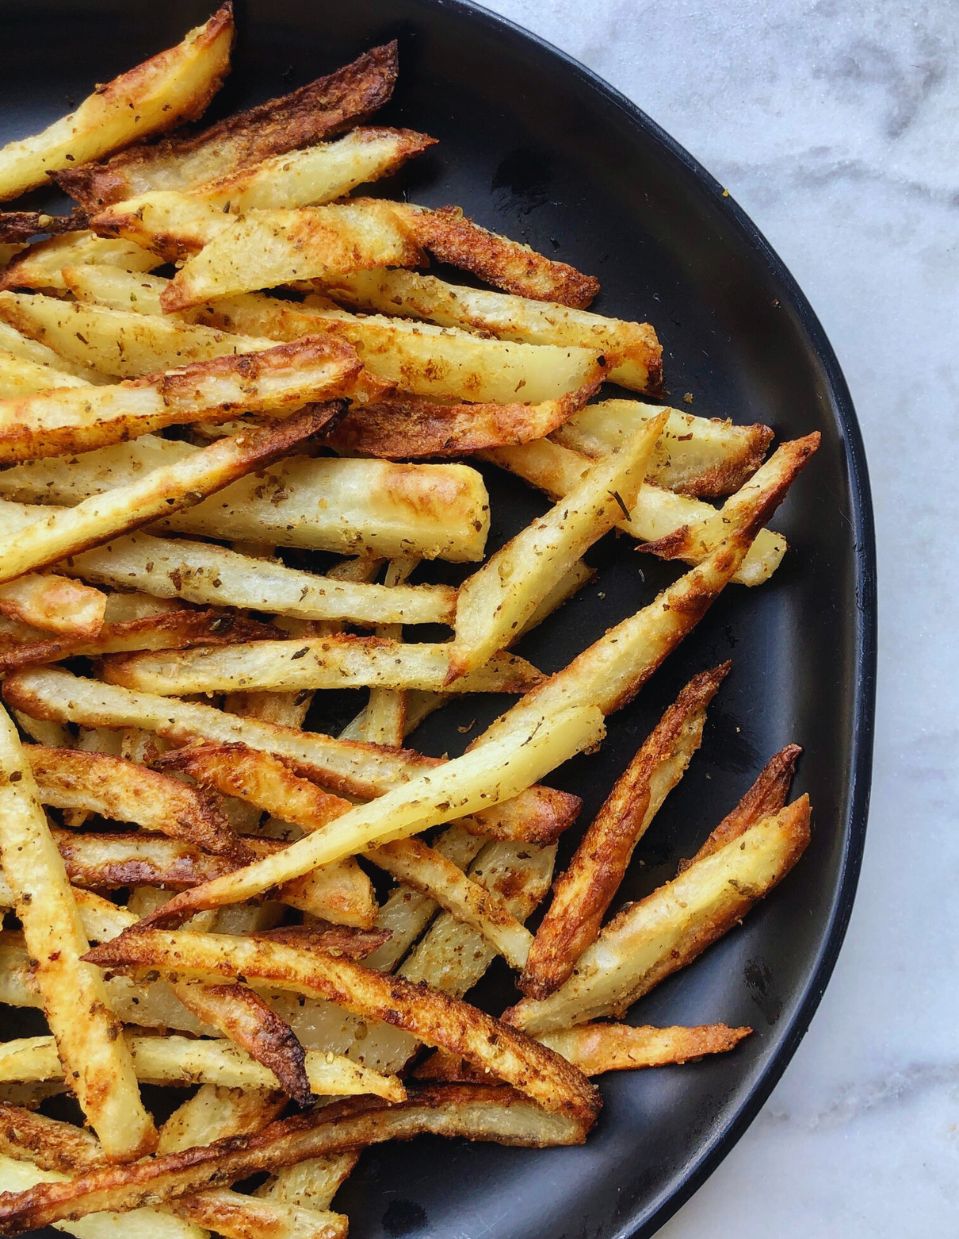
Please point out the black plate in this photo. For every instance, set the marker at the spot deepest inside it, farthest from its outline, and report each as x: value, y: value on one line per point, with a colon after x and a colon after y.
x: 535, y: 146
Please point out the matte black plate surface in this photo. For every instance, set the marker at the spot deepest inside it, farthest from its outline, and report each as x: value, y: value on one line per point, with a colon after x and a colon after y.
x: 533, y: 145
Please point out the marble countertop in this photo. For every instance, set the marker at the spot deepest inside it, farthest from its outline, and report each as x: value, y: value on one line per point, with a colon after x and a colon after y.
x: 836, y: 126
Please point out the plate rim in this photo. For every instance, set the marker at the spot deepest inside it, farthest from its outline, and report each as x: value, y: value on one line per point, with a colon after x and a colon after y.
x: 854, y: 820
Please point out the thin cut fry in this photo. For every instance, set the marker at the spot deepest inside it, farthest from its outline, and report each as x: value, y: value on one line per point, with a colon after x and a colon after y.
x: 632, y: 349
x: 54, y: 603
x: 611, y: 671
x: 667, y: 930
x: 162, y: 490
x: 498, y: 600
x: 91, y: 1046
x: 304, y: 116
x: 583, y: 893
x: 174, y: 86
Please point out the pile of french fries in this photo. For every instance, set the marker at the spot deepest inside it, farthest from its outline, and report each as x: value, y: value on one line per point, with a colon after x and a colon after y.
x: 222, y: 355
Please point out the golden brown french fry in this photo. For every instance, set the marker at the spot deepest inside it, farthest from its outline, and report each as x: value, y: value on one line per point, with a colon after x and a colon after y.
x: 369, y: 507
x: 304, y: 116
x: 649, y: 940
x: 267, y: 248
x: 340, y: 661
x: 584, y: 892
x: 476, y: 1112
x: 278, y: 380
x: 214, y: 1113
x: 124, y: 792
x: 353, y: 769
x: 611, y: 671
x: 632, y: 349
x: 183, y: 221
x: 21, y: 377
x: 54, y: 603
x: 22, y: 225
x: 433, y: 1017
x: 451, y: 237
x: 174, y: 86
x: 21, y: 346
x: 500, y: 597
x: 699, y: 456
x: 91, y: 1045
x: 598, y: 1048
x: 162, y: 490
x: 169, y: 629
x: 662, y: 521
x: 42, y: 266
x: 237, y: 1216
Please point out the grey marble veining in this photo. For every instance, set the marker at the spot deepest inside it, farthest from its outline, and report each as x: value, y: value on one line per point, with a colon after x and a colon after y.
x: 836, y: 126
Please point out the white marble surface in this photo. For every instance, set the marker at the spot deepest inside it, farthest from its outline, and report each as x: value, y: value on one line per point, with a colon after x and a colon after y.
x: 836, y: 125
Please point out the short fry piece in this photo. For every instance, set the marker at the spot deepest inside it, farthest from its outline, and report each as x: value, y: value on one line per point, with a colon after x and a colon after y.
x: 668, y: 929
x: 161, y: 491
x: 496, y: 602
x: 169, y: 88
x: 95, y: 1056
x: 583, y: 893
x: 54, y: 603
x: 42, y: 266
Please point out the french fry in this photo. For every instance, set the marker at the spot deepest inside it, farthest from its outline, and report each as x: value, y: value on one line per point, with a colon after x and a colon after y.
x: 632, y: 350
x: 345, y: 506
x: 451, y: 237
x: 124, y: 792
x: 278, y: 380
x: 168, y: 630
x: 304, y: 116
x: 598, y: 1048
x: 162, y: 490
x: 698, y: 456
x: 181, y: 222
x: 54, y: 603
x: 21, y: 346
x: 237, y: 1216
x: 21, y: 377
x: 660, y: 520
x: 430, y: 1015
x: 611, y: 671
x: 584, y: 892
x: 182, y: 1060
x: 501, y: 596
x: 383, y: 719
x: 476, y: 1112
x: 91, y: 1046
x: 104, y: 861
x: 169, y: 88
x: 348, y: 768
x: 667, y: 930
x: 42, y: 266
x: 214, y: 1113
x: 22, y: 225
x: 267, y: 248
x: 119, y: 343
x: 339, y: 661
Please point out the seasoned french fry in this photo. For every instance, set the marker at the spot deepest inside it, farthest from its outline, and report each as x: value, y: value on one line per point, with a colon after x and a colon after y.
x: 451, y: 237
x: 583, y: 893
x: 268, y: 248
x: 168, y: 630
x: 500, y: 597
x: 124, y: 792
x: 649, y: 940
x: 21, y: 346
x: 214, y: 1113
x: 161, y: 490
x: 598, y: 1048
x: 171, y: 87
x: 698, y: 456
x: 476, y: 1112
x: 304, y: 116
x: 182, y: 222
x: 383, y: 719
x: 366, y: 507
x: 277, y: 380
x: 22, y: 225
x: 538, y: 814
x: 42, y: 266
x: 611, y: 671
x: 237, y: 1216
x: 91, y: 1045
x: 21, y: 377
x: 339, y: 661
x: 661, y: 520
x: 182, y: 1060
x: 430, y: 1015
x: 54, y: 603
x: 632, y: 349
